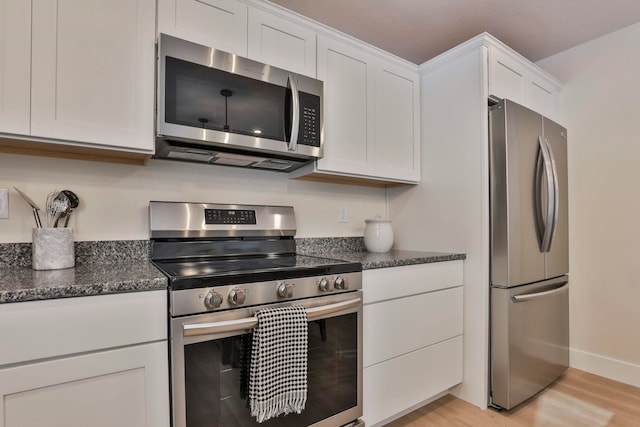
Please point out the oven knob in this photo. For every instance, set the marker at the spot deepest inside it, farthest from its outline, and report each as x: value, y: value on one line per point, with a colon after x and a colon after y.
x: 285, y: 290
x: 212, y: 300
x: 340, y: 283
x: 324, y: 285
x: 236, y: 296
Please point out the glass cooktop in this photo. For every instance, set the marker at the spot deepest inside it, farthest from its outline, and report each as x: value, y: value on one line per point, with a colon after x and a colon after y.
x: 204, y: 273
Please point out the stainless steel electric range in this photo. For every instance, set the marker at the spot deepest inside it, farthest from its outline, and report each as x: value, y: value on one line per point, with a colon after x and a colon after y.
x: 226, y: 262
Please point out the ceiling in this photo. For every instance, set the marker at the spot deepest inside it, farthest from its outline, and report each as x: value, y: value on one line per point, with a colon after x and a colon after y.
x: 418, y: 30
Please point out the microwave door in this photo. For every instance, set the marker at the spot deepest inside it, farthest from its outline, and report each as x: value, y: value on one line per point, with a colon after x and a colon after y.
x: 210, y: 102
x: 224, y: 108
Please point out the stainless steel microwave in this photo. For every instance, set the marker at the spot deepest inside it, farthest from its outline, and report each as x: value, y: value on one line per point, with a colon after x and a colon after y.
x: 219, y: 108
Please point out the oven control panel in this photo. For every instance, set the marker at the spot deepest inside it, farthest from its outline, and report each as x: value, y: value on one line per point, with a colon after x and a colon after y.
x: 225, y: 297
x: 229, y: 216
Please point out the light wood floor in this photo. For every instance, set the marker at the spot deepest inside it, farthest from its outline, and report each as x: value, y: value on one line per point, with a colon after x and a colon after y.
x: 577, y: 399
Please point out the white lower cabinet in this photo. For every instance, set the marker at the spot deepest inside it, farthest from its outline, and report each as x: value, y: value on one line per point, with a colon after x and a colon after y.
x: 114, y: 388
x: 99, y: 361
x: 412, y: 337
x: 404, y: 382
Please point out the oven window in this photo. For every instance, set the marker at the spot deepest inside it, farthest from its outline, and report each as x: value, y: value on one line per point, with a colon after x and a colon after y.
x: 217, y: 379
x: 208, y: 98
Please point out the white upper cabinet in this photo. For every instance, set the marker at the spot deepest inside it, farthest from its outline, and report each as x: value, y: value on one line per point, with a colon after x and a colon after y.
x: 221, y: 24
x: 282, y: 43
x: 93, y: 72
x: 397, y: 130
x: 513, y: 77
x: 371, y: 117
x: 15, y: 62
x: 348, y: 76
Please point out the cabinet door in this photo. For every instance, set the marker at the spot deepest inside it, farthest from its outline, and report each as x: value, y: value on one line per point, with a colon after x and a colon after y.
x: 284, y: 44
x: 15, y: 61
x: 348, y: 76
x: 397, y: 130
x: 541, y: 95
x: 122, y: 387
x: 507, y: 77
x: 93, y: 72
x: 221, y: 24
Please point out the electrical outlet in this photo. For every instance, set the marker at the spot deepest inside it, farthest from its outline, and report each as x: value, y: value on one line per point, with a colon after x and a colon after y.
x: 343, y: 214
x: 4, y: 203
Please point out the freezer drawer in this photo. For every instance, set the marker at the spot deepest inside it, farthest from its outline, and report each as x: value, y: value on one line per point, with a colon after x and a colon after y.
x: 529, y: 339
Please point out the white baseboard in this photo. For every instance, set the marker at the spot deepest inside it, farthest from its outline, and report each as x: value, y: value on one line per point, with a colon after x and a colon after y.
x: 607, y: 367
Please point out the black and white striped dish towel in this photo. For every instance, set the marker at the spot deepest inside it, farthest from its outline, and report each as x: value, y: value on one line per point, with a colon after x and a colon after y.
x: 278, y: 373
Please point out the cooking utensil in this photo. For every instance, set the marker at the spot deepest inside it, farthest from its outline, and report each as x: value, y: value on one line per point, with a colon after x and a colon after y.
x: 57, y: 204
x: 73, y: 203
x: 33, y: 205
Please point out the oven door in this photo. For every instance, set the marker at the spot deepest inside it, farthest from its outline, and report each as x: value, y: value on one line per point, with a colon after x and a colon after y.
x: 210, y: 357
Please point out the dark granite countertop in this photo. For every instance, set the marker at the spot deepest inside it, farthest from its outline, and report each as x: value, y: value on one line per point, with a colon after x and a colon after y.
x: 101, y: 268
x: 393, y: 258
x: 108, y: 267
x: 25, y: 284
x: 352, y: 249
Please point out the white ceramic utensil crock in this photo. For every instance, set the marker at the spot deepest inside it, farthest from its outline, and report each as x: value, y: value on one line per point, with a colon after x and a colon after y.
x: 378, y: 234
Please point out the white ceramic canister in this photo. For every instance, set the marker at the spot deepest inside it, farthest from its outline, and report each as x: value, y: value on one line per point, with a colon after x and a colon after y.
x: 52, y: 248
x: 378, y: 234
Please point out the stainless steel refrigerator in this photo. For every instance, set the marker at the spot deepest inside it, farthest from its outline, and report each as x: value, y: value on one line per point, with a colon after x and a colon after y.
x: 529, y: 301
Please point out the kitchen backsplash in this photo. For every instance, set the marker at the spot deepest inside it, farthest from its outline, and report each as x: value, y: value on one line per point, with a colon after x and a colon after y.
x: 114, y: 198
x: 19, y: 254
x: 329, y: 244
x: 115, y: 251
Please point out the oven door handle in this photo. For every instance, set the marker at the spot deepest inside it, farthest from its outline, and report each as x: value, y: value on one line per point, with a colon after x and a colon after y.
x: 190, y: 330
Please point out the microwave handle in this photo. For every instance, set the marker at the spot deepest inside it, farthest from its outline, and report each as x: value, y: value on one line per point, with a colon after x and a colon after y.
x: 295, y: 120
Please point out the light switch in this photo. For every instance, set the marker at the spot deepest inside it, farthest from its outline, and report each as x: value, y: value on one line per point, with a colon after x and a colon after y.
x: 343, y: 214
x: 4, y: 203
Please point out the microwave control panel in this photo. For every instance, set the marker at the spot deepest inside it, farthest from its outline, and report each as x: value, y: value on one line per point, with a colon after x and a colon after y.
x: 309, y: 120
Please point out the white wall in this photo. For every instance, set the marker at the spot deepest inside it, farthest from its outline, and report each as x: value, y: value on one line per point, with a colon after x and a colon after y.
x: 114, y: 198
x: 602, y: 110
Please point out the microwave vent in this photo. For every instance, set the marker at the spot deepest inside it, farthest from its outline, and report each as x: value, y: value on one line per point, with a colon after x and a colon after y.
x: 273, y: 164
x: 191, y: 155
x: 229, y: 159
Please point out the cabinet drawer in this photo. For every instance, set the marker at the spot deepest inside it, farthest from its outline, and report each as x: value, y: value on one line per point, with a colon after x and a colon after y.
x: 402, y: 325
x: 42, y: 329
x: 396, y: 282
x: 398, y: 384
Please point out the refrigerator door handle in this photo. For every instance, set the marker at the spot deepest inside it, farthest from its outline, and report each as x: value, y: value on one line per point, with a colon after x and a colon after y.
x: 545, y: 225
x: 556, y: 193
x: 537, y: 295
